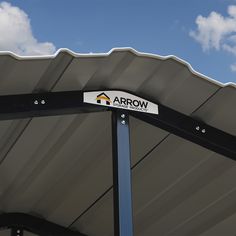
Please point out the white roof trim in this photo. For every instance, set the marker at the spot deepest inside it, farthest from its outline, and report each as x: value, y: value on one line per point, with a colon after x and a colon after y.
x: 141, y: 54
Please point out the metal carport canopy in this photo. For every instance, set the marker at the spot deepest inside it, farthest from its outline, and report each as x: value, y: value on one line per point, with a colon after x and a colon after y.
x: 59, y: 168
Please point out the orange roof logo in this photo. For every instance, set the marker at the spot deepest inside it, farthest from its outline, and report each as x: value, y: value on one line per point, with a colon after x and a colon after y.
x: 102, y: 97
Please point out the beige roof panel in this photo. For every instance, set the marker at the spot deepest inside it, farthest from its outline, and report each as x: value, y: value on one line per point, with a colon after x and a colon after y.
x: 60, y: 167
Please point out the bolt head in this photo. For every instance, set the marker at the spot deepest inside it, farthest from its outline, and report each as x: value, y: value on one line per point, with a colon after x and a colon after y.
x: 123, y: 122
x: 197, y: 128
x: 36, y: 102
x: 43, y: 102
x: 123, y: 116
x: 203, y: 131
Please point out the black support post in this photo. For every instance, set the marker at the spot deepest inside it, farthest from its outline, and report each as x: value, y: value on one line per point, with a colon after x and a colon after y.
x: 123, y: 223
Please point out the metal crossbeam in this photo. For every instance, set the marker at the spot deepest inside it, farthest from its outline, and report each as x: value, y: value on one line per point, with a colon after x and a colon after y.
x: 71, y: 102
x: 44, y: 104
x: 192, y: 130
x: 17, y: 231
x: 20, y: 221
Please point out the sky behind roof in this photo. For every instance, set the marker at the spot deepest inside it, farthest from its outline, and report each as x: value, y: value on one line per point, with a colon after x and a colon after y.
x: 202, y: 32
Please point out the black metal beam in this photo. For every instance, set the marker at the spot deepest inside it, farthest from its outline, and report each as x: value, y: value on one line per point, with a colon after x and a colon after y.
x: 44, y: 104
x: 191, y: 129
x: 123, y: 223
x: 17, y: 231
x: 20, y: 221
x: 71, y: 102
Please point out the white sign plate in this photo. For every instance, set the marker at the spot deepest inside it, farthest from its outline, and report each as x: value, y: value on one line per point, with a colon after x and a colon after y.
x: 120, y: 99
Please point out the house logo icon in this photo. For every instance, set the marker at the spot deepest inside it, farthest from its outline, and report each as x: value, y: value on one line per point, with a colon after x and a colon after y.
x: 102, y: 97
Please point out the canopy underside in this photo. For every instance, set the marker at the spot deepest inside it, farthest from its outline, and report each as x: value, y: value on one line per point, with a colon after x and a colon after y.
x: 60, y: 167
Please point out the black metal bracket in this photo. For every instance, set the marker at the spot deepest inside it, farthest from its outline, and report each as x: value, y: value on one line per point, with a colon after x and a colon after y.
x: 18, y: 222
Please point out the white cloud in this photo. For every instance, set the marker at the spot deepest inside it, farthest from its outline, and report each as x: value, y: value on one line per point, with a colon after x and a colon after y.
x: 228, y: 48
x: 232, y: 38
x: 214, y: 29
x: 16, y: 33
x: 217, y: 32
x: 233, y: 67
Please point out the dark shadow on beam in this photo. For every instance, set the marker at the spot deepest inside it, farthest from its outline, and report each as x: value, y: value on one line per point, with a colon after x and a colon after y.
x: 35, y: 225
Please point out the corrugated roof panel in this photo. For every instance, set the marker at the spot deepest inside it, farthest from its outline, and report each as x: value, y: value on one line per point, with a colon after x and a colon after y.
x: 166, y: 195
x: 149, y: 77
x: 61, y: 167
x: 20, y: 76
x: 5, y: 232
x: 224, y: 227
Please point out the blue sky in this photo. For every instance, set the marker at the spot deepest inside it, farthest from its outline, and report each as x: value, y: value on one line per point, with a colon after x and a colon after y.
x: 156, y: 26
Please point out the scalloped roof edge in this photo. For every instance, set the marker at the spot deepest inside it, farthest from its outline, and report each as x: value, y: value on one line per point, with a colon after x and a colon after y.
x: 127, y: 49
